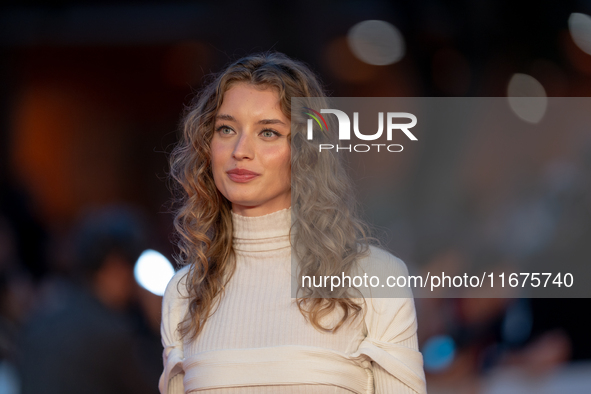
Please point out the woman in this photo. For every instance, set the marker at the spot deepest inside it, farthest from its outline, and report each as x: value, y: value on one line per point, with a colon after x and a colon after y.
x: 229, y: 324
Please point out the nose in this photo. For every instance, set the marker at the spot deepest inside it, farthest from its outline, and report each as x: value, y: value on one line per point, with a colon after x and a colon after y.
x: 244, y: 148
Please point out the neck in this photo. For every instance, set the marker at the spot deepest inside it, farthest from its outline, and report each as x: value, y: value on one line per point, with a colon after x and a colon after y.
x: 265, y: 232
x: 261, y: 210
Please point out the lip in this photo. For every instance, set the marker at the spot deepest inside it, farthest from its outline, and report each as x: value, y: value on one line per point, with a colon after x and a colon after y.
x: 241, y: 175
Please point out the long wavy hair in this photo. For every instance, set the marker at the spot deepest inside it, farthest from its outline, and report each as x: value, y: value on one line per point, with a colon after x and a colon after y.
x: 327, y: 235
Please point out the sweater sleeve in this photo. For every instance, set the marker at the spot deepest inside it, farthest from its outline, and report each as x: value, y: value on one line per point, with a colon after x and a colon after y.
x: 391, y: 342
x: 396, y: 360
x: 173, y: 310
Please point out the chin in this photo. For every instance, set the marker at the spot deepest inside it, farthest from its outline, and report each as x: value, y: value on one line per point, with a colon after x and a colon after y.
x: 245, y: 202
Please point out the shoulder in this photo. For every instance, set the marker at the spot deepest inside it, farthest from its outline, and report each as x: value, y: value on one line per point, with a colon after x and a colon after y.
x: 381, y: 268
x: 390, y: 310
x: 378, y: 261
x: 176, y: 290
x: 174, y: 306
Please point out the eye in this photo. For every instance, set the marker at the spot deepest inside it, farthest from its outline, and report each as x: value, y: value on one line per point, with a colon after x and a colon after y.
x: 224, y: 130
x: 269, y: 133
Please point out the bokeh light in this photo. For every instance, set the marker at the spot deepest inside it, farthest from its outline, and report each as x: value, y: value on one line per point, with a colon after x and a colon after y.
x: 527, y: 98
x: 438, y: 353
x: 579, y: 26
x: 153, y: 271
x: 376, y: 42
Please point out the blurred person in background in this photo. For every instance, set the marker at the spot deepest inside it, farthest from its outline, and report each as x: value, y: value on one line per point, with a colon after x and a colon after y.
x: 22, y: 258
x: 80, y: 339
x: 15, y: 292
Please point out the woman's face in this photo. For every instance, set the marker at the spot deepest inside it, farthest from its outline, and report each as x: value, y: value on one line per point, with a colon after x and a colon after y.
x: 250, y: 151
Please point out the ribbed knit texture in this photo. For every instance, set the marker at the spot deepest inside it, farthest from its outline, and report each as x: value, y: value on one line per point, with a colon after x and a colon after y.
x: 257, y: 341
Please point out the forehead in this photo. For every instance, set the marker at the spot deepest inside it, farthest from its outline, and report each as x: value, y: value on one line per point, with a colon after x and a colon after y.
x: 245, y: 95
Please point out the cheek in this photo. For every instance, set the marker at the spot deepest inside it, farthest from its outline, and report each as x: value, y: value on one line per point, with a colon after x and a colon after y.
x: 282, y: 162
x: 217, y: 162
x: 217, y: 156
x: 287, y: 165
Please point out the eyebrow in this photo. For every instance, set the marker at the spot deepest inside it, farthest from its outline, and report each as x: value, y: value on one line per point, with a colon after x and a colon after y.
x: 230, y: 118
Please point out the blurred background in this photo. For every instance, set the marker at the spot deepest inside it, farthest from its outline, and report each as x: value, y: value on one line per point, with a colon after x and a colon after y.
x: 91, y: 94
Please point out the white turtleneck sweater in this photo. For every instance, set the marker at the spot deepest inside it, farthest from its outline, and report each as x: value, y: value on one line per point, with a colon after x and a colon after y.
x: 257, y: 341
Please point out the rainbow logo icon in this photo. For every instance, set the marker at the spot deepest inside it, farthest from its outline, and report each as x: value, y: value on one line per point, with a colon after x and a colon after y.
x: 315, y: 115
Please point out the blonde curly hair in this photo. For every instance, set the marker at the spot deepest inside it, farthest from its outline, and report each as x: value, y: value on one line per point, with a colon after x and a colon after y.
x: 329, y: 236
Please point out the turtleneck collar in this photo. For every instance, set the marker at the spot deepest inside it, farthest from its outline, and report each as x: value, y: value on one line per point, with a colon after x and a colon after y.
x: 261, y: 233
